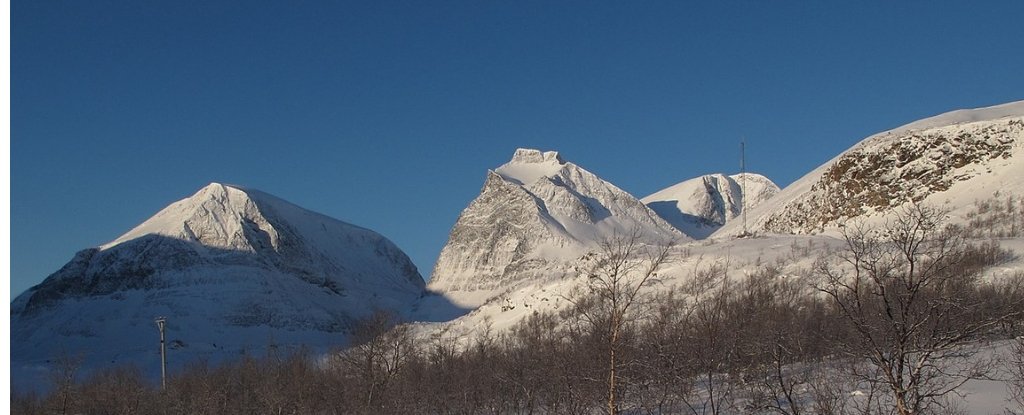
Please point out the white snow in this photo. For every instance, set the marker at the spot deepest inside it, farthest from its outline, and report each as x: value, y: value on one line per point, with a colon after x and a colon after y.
x: 1001, y: 175
x: 497, y: 309
x: 995, y: 112
x: 528, y: 165
x: 701, y: 205
x: 534, y: 214
x: 517, y: 249
x: 234, y: 270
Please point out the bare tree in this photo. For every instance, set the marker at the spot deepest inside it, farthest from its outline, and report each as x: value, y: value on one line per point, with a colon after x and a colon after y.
x: 623, y: 267
x: 63, y: 379
x: 667, y: 369
x: 778, y: 342
x: 380, y: 349
x: 711, y: 335
x: 1016, y: 378
x: 120, y: 390
x: 908, y: 295
x: 27, y: 403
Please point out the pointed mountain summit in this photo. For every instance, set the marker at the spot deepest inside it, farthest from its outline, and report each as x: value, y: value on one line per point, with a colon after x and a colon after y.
x: 231, y: 268
x: 950, y: 161
x: 535, y: 211
x: 700, y: 206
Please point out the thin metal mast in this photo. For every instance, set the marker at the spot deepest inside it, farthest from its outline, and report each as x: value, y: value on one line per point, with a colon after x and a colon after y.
x: 743, y: 182
x: 160, y: 322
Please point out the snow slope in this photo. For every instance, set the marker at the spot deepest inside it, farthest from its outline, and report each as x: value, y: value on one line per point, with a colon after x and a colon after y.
x: 949, y: 161
x: 535, y: 214
x: 700, y: 206
x: 232, y: 270
x: 952, y: 160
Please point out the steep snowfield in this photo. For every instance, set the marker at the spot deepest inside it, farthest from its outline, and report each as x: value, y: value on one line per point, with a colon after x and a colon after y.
x: 949, y: 161
x: 232, y: 269
x: 965, y: 116
x: 535, y: 214
x: 501, y: 309
x: 952, y: 161
x: 700, y: 206
x: 237, y: 270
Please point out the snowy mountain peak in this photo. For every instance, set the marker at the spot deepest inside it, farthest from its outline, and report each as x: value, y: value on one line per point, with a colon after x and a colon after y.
x: 527, y: 166
x: 529, y: 155
x: 217, y: 216
x: 534, y: 212
x: 701, y: 205
x: 234, y: 266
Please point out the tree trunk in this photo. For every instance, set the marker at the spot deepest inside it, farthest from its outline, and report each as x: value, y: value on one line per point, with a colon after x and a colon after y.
x: 611, y: 377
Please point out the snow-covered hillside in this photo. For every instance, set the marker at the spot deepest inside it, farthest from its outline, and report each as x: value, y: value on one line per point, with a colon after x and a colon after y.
x: 976, y: 158
x: 950, y: 161
x: 535, y: 214
x: 236, y: 270
x: 700, y: 206
x: 231, y: 269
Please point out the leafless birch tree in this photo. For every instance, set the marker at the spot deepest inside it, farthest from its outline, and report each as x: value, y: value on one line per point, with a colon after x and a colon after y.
x: 908, y: 295
x: 624, y: 266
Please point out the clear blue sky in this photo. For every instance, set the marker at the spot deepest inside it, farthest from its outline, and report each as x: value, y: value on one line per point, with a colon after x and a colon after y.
x: 388, y: 114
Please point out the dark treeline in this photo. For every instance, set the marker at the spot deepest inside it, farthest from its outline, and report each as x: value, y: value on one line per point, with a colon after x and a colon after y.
x: 863, y: 320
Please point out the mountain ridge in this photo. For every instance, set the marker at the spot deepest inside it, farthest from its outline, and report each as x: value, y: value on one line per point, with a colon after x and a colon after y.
x: 536, y: 211
x: 230, y: 268
x: 947, y: 150
x: 700, y: 206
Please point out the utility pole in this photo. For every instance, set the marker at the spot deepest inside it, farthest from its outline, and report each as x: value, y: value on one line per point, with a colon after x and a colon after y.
x: 160, y: 322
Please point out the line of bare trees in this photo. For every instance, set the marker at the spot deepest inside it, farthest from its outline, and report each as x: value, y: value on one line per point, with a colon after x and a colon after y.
x: 891, y: 324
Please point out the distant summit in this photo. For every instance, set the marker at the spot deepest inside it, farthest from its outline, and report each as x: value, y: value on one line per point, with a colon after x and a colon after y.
x: 527, y: 155
x: 231, y: 268
x: 535, y: 212
x: 700, y: 206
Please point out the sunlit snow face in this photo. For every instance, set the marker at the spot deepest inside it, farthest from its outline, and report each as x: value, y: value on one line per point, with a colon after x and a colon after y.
x: 527, y: 166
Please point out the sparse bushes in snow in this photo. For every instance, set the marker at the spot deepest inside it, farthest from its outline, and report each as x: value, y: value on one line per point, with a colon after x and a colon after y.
x: 885, y: 326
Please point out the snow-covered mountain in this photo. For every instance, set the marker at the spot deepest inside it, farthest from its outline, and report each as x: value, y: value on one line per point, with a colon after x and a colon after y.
x: 230, y: 268
x: 700, y: 206
x: 534, y: 212
x: 950, y: 161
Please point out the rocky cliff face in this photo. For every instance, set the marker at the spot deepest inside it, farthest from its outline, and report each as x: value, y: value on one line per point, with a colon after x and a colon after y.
x: 950, y: 160
x: 230, y: 268
x: 897, y: 169
x: 535, y: 211
x: 700, y: 206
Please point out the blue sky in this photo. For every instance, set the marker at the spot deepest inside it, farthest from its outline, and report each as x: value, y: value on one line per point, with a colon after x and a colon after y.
x: 388, y: 114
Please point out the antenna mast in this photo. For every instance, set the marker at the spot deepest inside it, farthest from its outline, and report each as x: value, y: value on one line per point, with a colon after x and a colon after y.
x: 743, y: 182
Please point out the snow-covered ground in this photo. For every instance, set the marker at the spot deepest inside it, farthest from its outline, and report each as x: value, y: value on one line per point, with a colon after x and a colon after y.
x: 233, y: 270
x: 238, y: 271
x: 983, y: 160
